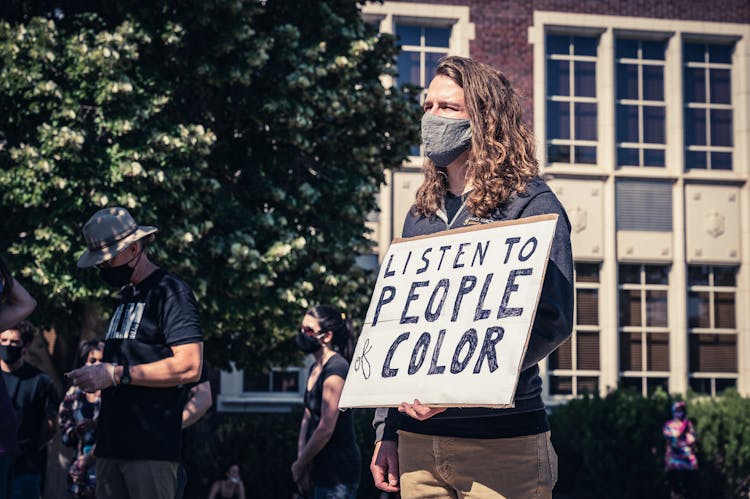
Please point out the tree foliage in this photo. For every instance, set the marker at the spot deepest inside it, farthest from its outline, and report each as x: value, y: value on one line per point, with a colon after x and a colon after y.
x: 254, y: 134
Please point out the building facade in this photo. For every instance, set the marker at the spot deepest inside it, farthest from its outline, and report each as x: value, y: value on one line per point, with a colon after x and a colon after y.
x: 642, y: 115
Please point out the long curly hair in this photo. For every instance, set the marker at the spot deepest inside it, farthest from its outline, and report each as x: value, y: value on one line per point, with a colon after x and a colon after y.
x: 502, y: 158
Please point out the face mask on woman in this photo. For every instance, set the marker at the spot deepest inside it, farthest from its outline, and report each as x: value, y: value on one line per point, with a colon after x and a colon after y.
x: 308, y: 344
x: 444, y: 138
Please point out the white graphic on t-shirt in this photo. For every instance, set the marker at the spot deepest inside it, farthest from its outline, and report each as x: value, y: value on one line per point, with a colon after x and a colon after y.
x: 125, y: 321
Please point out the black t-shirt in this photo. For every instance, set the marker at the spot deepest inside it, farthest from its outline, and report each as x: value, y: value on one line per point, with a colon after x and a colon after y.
x: 137, y: 422
x: 35, y: 400
x: 339, y: 461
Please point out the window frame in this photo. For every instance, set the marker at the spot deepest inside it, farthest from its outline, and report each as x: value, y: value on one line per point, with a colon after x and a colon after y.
x: 232, y: 396
x: 641, y: 145
x: 644, y: 374
x: 676, y: 32
x: 574, y: 373
x: 711, y: 288
x: 708, y: 106
x: 572, y: 99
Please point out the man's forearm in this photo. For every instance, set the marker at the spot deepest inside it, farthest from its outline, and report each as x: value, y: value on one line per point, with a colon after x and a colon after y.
x: 160, y: 374
x: 184, y: 367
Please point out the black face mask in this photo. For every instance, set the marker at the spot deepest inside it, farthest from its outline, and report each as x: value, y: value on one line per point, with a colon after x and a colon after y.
x: 10, y: 354
x: 118, y: 276
x: 308, y: 344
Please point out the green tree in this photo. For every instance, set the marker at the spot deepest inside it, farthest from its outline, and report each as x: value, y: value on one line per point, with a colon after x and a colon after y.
x: 254, y: 133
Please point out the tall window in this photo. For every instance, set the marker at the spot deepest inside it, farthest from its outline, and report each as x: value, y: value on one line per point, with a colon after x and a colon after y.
x: 571, y: 99
x: 712, y: 293
x: 641, y: 139
x: 708, y: 106
x: 574, y: 366
x: 421, y: 50
x: 643, y: 321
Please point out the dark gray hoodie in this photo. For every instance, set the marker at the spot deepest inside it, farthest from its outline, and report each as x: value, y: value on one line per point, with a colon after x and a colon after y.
x: 552, y: 325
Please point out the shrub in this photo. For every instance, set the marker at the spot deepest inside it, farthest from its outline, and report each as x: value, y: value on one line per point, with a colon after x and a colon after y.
x: 723, y: 429
x: 613, y: 447
x: 264, y: 446
x: 608, y: 447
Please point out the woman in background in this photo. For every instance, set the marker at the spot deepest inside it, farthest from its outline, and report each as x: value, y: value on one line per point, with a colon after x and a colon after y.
x: 78, y: 414
x: 328, y: 461
x: 230, y: 488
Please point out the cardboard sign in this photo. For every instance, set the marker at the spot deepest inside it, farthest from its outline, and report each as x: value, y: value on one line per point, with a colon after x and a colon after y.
x: 450, y: 317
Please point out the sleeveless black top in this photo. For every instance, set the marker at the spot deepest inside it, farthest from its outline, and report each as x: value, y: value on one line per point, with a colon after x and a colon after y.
x: 339, y: 461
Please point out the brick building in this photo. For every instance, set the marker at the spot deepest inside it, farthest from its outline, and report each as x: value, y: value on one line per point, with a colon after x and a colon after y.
x: 642, y: 115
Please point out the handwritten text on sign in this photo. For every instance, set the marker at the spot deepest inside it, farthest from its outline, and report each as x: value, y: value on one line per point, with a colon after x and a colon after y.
x: 449, y: 319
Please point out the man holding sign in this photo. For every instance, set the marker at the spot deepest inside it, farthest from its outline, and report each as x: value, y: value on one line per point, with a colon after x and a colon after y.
x: 480, y: 168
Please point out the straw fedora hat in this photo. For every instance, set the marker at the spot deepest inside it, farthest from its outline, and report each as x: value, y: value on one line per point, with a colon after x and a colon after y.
x: 107, y: 233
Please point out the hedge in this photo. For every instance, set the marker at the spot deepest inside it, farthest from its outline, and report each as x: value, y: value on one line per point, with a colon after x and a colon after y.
x: 612, y: 447
x: 608, y: 447
x: 264, y: 446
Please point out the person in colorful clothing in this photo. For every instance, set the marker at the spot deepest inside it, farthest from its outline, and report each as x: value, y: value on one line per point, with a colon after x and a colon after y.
x: 679, y: 460
x: 78, y: 414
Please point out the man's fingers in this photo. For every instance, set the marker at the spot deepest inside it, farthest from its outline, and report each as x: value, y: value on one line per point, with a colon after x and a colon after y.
x: 378, y: 476
x: 419, y: 411
x: 393, y: 479
x: 385, y: 487
x: 389, y: 486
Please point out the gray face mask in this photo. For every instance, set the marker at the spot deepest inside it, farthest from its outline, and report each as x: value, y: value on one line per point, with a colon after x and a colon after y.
x: 444, y: 138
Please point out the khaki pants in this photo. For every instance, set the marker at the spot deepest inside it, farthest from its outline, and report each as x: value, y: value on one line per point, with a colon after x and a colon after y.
x: 447, y: 467
x: 133, y: 479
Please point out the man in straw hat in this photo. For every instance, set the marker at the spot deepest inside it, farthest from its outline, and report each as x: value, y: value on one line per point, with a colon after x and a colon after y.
x: 153, y: 346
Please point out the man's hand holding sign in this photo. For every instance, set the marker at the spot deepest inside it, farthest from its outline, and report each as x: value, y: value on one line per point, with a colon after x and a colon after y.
x: 450, y: 317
